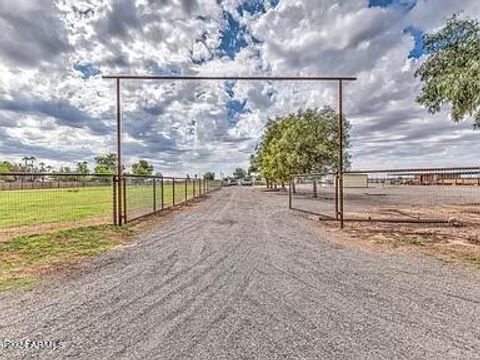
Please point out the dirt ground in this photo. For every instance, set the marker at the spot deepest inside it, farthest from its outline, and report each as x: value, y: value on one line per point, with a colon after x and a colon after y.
x: 451, y: 230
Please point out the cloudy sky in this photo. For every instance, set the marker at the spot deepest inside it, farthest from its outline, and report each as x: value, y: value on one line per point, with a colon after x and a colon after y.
x: 55, y: 105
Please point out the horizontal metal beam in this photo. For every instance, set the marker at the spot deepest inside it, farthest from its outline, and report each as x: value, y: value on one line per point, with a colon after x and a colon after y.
x: 247, y: 78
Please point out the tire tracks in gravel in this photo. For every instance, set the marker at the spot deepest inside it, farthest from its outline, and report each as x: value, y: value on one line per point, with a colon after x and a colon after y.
x: 189, y: 222
x: 356, y: 284
x: 240, y: 276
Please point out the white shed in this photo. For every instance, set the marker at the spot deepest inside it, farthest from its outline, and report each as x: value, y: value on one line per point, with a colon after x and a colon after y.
x: 355, y: 180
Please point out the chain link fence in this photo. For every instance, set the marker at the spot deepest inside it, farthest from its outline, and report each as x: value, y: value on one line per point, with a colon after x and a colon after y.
x: 401, y: 195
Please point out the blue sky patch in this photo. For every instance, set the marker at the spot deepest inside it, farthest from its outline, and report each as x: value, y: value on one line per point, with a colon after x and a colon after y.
x: 86, y: 70
x: 404, y: 4
x: 229, y: 85
x: 251, y: 6
x: 417, y: 34
x: 232, y: 37
x: 234, y: 109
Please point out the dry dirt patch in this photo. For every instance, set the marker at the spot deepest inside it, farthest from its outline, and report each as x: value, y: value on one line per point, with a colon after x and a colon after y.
x: 456, y: 240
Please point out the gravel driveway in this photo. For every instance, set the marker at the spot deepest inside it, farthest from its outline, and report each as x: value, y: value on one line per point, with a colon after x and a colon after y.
x: 241, y: 277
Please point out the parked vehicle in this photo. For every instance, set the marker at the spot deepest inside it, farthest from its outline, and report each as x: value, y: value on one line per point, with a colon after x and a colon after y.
x: 229, y: 182
x: 246, y: 182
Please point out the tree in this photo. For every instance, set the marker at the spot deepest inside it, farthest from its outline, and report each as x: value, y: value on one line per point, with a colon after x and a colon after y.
x: 42, y: 167
x: 253, y: 168
x: 300, y: 143
x: 28, y: 162
x: 209, y: 176
x: 105, y: 164
x: 239, y: 173
x: 142, y: 168
x: 6, y: 167
x: 451, y: 72
x: 82, y: 168
x: 63, y: 170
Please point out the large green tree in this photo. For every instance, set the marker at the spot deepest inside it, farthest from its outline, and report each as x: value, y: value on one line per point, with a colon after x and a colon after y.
x: 209, y: 175
x: 142, y: 167
x: 82, y: 168
x: 300, y: 143
x: 6, y: 167
x: 239, y: 173
x: 451, y: 72
x: 105, y: 164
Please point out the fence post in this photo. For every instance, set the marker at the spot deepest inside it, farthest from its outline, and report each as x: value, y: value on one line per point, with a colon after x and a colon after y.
x: 173, y: 191
x: 154, y: 194
x: 290, y: 193
x: 161, y: 188
x: 336, y: 196
x: 186, y: 190
x: 124, y: 183
x: 315, y: 194
x: 193, y: 183
x: 114, y: 187
x: 340, y: 188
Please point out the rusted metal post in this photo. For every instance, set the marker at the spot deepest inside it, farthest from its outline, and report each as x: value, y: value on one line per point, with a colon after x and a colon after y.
x: 173, y: 191
x: 124, y: 201
x: 119, y: 154
x: 336, y: 195
x: 340, y: 150
x: 194, y: 181
x: 114, y: 187
x: 290, y: 193
x: 154, y: 194
x: 161, y: 188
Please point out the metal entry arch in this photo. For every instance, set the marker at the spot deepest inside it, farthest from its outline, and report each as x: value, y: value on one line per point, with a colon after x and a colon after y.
x: 119, y: 77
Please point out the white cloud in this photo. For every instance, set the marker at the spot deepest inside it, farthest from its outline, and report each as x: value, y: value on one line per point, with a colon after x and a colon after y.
x: 48, y: 108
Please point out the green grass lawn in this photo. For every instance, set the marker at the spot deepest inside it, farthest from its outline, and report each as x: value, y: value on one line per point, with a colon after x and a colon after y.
x: 20, y: 208
x: 24, y: 259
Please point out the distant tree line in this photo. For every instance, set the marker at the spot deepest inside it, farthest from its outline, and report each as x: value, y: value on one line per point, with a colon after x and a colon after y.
x: 104, y: 165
